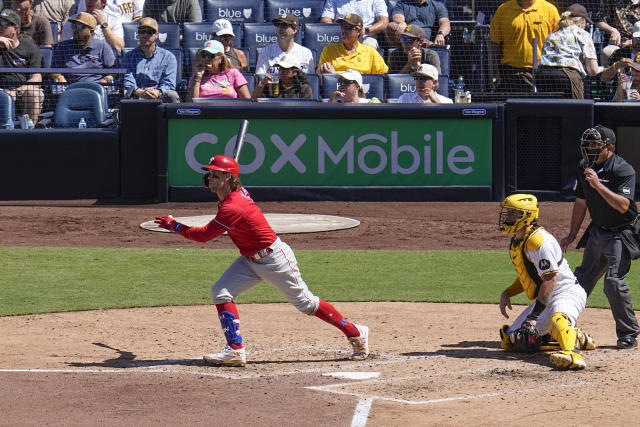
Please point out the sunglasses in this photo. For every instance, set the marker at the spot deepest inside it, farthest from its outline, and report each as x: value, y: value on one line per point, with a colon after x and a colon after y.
x: 226, y: 37
x: 147, y: 31
x: 408, y: 40
x: 4, y: 23
x: 78, y: 26
x: 422, y: 78
x: 206, y: 55
x: 346, y: 82
x: 349, y: 27
x: 283, y: 25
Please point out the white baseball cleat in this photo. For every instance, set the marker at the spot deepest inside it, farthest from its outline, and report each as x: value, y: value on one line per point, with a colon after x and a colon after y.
x: 227, y: 357
x: 360, y: 344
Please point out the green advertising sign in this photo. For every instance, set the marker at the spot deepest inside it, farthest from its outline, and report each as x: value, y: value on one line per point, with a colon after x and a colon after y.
x: 337, y: 152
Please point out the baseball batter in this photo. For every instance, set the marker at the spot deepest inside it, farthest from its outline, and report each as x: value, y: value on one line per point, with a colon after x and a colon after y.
x: 264, y: 257
x: 544, y: 275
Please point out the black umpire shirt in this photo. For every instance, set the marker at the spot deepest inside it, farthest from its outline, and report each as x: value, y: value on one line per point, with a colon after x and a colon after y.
x: 619, y: 177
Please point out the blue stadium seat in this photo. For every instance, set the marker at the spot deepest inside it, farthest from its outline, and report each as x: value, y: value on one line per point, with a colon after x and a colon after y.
x: 102, y: 91
x: 304, y: 10
x: 47, y: 55
x: 7, y: 108
x: 317, y: 36
x: 443, y: 86
x: 74, y: 104
x: 235, y: 11
x: 251, y: 80
x: 194, y: 34
x: 445, y: 59
x: 372, y: 83
x: 398, y: 84
x: 314, y: 82
x: 54, y: 31
x: 256, y: 36
x: 168, y: 34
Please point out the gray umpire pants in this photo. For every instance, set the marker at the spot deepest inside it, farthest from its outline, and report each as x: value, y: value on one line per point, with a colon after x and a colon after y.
x: 606, y: 254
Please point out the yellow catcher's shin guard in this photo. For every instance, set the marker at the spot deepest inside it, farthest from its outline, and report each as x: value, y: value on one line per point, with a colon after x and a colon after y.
x: 562, y: 331
x: 567, y: 359
x: 504, y: 338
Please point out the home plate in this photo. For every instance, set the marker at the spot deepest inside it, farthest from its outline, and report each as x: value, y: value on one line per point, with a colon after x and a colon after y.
x: 281, y: 223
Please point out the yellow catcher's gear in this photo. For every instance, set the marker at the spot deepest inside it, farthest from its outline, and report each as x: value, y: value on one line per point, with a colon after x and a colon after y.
x: 527, y: 272
x: 569, y: 356
x: 567, y: 359
x: 518, y: 211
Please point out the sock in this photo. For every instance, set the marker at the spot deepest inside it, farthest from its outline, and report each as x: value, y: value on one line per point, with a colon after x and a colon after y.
x: 233, y: 309
x: 329, y: 314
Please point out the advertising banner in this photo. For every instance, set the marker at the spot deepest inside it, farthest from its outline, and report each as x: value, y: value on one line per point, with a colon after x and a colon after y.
x: 338, y: 152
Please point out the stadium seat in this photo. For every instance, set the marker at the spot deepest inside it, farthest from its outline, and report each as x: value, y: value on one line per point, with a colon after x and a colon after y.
x: 194, y: 34
x: 445, y: 59
x: 168, y: 34
x: 47, y: 55
x: 317, y: 36
x: 256, y: 36
x: 78, y: 103
x: 235, y: 11
x: 314, y: 82
x: 398, y: 84
x: 54, y: 31
x: 7, y: 108
x: 102, y: 91
x: 251, y: 80
x: 304, y: 10
x: 373, y: 85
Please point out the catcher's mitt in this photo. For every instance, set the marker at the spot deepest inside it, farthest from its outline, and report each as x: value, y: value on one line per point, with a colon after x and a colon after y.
x: 525, y: 339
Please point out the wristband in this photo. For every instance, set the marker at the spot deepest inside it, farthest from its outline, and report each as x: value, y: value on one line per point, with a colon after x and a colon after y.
x: 440, y: 33
x: 538, y: 308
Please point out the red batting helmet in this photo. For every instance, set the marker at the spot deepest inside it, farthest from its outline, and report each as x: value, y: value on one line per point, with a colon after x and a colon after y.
x: 224, y: 164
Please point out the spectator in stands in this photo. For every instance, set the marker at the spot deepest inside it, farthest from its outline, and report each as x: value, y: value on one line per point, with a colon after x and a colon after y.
x: 19, y: 51
x: 350, y: 89
x: 55, y: 11
x: 109, y: 25
x: 214, y: 77
x: 426, y: 77
x: 631, y: 91
x: 568, y: 55
x: 128, y: 10
x: 623, y: 57
x: 151, y: 69
x: 349, y: 53
x: 223, y: 32
x: 173, y: 10
x: 83, y: 51
x: 292, y: 81
x: 374, y: 13
x: 424, y: 13
x: 413, y: 52
x: 287, y: 26
x: 617, y: 18
x: 33, y: 25
x: 513, y: 28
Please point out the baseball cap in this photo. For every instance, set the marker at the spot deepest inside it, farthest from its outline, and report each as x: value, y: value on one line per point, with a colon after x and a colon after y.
x: 607, y: 135
x: 222, y: 27
x: 579, y: 11
x: 427, y: 70
x: 636, y: 30
x: 213, y: 47
x: 636, y: 63
x: 85, y: 19
x: 149, y: 23
x: 286, y: 18
x: 415, y: 31
x: 287, y: 61
x: 351, y: 19
x: 11, y: 16
x: 352, y: 75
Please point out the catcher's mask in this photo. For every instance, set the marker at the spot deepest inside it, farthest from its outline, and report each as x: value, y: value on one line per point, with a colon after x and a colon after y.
x: 594, y: 141
x: 220, y: 163
x: 518, y: 211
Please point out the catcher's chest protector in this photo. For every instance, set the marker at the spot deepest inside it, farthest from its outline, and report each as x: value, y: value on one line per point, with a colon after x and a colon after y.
x: 527, y: 272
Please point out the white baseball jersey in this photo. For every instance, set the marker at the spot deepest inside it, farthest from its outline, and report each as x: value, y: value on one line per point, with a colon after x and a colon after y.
x: 270, y: 54
x: 127, y: 9
x: 568, y: 297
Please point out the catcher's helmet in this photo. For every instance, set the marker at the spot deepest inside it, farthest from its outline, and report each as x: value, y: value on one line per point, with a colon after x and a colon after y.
x: 224, y: 164
x: 518, y: 211
x: 600, y: 136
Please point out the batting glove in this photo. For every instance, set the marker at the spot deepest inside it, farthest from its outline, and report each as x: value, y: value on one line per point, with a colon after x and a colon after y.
x: 167, y: 222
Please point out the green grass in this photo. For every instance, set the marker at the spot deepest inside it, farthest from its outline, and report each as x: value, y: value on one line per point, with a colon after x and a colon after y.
x: 42, y: 280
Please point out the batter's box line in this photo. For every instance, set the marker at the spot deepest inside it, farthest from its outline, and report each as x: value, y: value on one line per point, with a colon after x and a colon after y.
x: 333, y: 388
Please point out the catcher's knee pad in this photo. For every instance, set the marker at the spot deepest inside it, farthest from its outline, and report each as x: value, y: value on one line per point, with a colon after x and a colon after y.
x: 505, y: 342
x: 230, y: 327
x: 560, y: 328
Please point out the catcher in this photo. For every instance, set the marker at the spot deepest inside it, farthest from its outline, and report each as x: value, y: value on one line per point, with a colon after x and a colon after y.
x: 544, y: 275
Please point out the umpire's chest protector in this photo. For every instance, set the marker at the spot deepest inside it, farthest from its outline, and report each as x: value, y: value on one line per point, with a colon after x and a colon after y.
x: 526, y: 270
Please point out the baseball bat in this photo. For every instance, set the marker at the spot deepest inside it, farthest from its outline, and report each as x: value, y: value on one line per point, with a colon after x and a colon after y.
x: 244, y: 124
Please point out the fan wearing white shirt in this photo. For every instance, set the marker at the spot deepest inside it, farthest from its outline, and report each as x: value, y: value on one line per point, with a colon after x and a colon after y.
x: 129, y: 10
x: 426, y: 78
x: 287, y: 26
x: 109, y: 26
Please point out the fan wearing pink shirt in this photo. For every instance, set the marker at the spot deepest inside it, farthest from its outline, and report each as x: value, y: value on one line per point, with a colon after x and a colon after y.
x: 213, y: 75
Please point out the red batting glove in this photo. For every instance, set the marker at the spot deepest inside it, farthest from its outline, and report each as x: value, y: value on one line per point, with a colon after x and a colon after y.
x: 167, y: 222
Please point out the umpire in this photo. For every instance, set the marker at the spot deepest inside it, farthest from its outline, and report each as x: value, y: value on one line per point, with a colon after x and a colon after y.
x: 606, y: 186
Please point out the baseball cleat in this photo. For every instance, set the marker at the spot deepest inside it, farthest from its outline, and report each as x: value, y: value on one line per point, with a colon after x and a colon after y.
x: 227, y: 357
x: 360, y: 343
x: 567, y: 359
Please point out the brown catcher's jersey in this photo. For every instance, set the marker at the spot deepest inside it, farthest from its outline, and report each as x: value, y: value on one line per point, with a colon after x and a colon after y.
x: 535, y: 256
